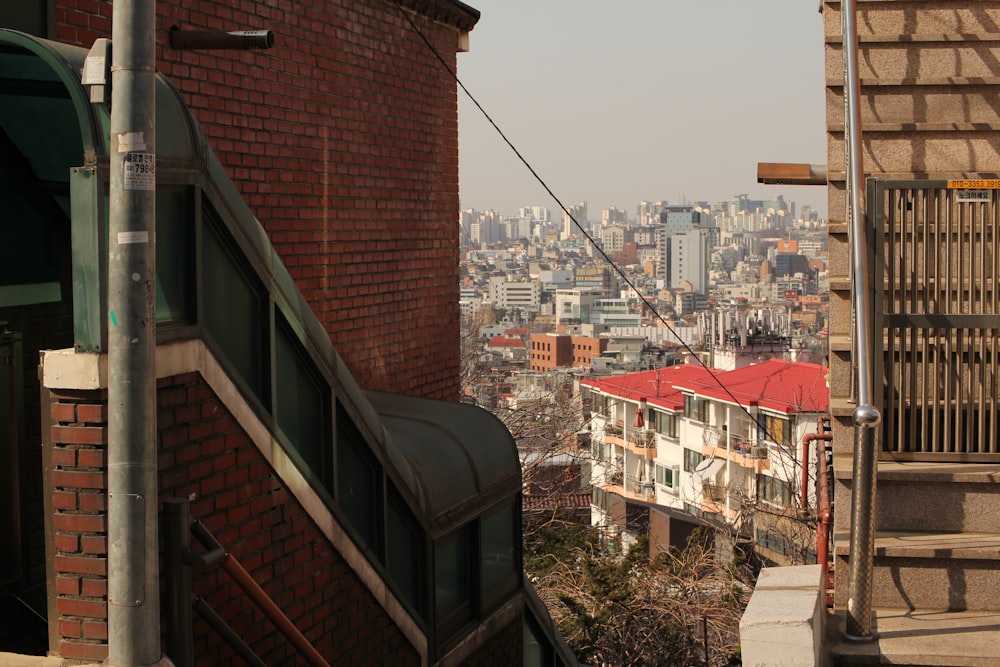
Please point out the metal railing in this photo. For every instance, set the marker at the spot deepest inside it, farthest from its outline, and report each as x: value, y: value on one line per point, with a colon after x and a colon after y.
x: 178, y: 528
x: 866, y: 416
x: 715, y: 493
x: 939, y: 312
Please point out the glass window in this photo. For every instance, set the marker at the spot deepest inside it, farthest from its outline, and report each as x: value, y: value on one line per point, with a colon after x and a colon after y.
x: 301, y: 399
x: 665, y: 423
x: 536, y: 651
x: 666, y: 476
x: 405, y: 559
x: 775, y: 491
x: 695, y: 408
x: 692, y: 459
x: 599, y: 498
x: 453, y: 581
x: 499, y: 551
x: 234, y: 309
x: 776, y: 429
x: 174, y: 256
x: 359, y: 479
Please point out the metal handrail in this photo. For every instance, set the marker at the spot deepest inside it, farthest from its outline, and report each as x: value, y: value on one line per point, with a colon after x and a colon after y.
x: 179, y: 527
x: 866, y: 416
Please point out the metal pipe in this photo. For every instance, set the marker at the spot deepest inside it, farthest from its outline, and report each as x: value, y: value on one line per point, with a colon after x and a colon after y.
x: 825, y: 506
x: 227, y: 633
x: 271, y: 610
x: 133, y: 578
x: 177, y: 579
x: 216, y: 552
x: 807, y: 439
x: 866, y: 416
x: 206, y: 40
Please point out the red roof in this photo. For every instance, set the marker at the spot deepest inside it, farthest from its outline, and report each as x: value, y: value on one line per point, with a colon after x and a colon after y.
x: 776, y: 384
x: 501, y: 341
x: 515, y: 332
x: 658, y: 387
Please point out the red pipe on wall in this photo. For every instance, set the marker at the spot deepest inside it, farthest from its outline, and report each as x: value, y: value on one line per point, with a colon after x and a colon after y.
x: 806, y: 439
x: 825, y: 514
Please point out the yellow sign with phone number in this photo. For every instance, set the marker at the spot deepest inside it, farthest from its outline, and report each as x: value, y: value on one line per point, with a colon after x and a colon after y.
x: 986, y: 183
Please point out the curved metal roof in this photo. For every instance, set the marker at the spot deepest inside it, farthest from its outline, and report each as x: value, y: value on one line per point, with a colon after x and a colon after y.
x: 42, y: 89
x: 462, y: 458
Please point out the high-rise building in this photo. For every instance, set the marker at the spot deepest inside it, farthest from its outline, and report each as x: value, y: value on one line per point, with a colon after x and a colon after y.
x: 577, y: 212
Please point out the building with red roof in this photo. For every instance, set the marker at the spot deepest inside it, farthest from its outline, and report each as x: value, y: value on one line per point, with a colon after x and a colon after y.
x: 714, y: 446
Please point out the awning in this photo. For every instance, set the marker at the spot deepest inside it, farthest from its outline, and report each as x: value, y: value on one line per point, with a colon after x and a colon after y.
x: 456, y: 458
x: 709, y: 468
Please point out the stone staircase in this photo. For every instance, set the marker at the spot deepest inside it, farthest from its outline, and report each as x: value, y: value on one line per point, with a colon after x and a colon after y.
x: 930, y: 110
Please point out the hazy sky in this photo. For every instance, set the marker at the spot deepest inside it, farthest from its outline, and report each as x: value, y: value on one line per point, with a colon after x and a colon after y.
x: 616, y: 101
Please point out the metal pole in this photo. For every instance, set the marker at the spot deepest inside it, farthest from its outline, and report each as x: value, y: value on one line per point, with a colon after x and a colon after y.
x: 133, y: 581
x: 177, y: 578
x: 866, y: 416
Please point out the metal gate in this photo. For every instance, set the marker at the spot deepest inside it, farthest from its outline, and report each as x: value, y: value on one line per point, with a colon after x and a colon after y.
x: 936, y: 260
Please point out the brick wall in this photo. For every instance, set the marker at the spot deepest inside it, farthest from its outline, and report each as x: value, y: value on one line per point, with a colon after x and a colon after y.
x: 79, y: 484
x: 503, y: 649
x: 343, y: 140
x: 203, y: 455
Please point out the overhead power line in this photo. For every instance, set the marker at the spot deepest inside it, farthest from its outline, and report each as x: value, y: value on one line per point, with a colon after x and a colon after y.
x: 621, y: 274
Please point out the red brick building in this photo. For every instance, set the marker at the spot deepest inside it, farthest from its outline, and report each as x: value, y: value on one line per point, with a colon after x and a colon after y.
x: 552, y: 350
x: 302, y: 191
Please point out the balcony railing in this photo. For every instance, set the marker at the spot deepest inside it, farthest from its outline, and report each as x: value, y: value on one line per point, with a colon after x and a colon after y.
x: 642, y: 439
x: 715, y: 493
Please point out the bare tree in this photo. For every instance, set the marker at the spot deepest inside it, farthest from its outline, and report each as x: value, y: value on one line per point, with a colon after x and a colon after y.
x: 617, y: 608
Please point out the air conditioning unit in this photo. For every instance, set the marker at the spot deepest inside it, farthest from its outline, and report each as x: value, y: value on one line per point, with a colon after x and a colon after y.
x: 758, y: 452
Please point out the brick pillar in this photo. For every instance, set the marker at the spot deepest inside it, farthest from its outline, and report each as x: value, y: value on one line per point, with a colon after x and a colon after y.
x: 78, y: 485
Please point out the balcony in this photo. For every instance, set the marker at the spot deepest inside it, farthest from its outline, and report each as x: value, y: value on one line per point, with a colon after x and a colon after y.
x: 642, y: 443
x: 715, y: 493
x: 742, y: 450
x: 635, y: 489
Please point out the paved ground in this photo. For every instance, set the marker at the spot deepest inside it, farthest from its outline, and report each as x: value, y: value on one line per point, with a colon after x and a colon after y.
x: 17, y: 660
x: 21, y: 630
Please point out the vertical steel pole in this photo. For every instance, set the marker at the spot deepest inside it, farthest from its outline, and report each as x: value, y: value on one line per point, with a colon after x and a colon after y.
x: 866, y: 416
x: 177, y: 581
x: 133, y: 581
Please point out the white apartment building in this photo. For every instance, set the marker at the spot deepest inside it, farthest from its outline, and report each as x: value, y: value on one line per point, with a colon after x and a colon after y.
x: 507, y: 294
x: 614, y: 313
x: 684, y: 256
x: 613, y: 238
x: 718, y: 447
x: 573, y: 305
x: 576, y: 212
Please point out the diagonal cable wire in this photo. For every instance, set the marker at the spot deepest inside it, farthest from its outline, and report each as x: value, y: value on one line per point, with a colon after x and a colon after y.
x: 590, y: 239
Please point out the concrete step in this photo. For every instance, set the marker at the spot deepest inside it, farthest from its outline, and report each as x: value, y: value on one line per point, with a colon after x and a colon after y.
x: 921, y: 638
x: 942, y: 497
x: 928, y: 570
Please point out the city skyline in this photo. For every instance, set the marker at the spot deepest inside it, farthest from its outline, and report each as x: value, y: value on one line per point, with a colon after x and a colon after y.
x: 650, y: 101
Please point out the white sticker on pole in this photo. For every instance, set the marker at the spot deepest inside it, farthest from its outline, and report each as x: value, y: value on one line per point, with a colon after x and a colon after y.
x: 129, y: 238
x: 129, y: 142
x: 140, y: 171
